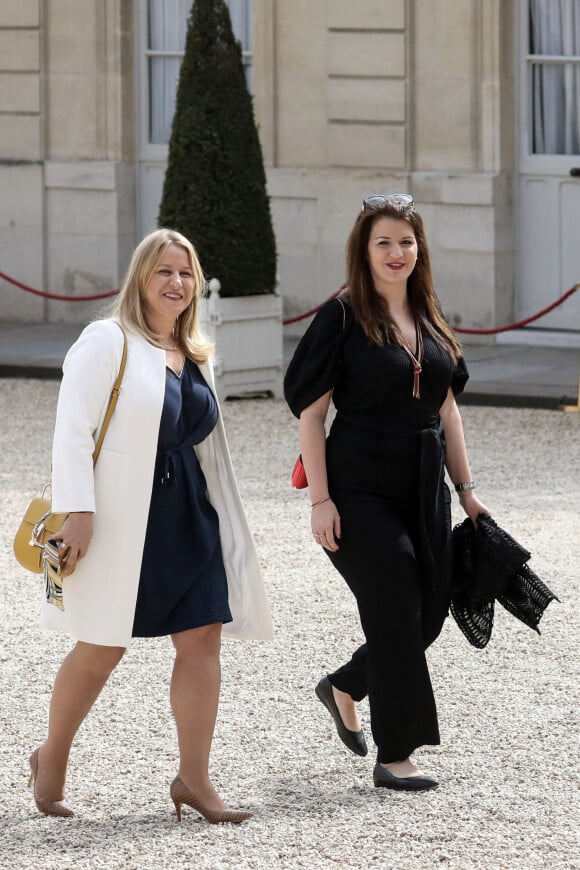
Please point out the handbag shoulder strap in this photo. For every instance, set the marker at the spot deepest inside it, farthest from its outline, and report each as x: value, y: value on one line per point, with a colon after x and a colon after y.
x: 347, y: 313
x: 115, y: 389
x: 338, y: 299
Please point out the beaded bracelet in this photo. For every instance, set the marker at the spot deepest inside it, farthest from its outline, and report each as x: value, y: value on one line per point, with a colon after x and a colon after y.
x: 461, y: 487
x: 322, y: 500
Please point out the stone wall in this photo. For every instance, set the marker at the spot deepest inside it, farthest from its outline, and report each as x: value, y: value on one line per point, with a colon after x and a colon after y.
x: 21, y: 149
x: 391, y: 95
x: 67, y: 212
x: 350, y: 98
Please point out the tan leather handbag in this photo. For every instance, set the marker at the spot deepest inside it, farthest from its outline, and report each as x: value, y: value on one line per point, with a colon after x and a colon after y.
x: 39, y: 523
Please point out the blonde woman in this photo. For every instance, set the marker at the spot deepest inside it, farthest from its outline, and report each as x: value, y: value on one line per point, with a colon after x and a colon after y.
x: 156, y: 530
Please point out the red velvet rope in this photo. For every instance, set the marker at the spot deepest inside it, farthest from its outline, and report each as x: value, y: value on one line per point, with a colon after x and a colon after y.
x: 312, y: 311
x: 55, y: 295
x: 523, y: 322
x: 493, y: 331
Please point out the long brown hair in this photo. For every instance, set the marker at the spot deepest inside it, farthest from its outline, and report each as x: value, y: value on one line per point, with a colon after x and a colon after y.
x: 129, y: 309
x: 368, y: 307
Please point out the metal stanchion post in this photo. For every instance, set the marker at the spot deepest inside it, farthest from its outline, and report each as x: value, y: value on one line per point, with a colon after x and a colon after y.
x: 575, y: 407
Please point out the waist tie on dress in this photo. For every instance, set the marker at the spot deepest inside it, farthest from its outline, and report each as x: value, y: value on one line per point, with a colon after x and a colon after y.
x: 434, y: 506
x: 167, y: 467
x: 434, y: 499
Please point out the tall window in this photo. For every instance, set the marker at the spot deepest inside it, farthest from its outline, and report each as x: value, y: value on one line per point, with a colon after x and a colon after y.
x: 167, y: 27
x: 554, y: 69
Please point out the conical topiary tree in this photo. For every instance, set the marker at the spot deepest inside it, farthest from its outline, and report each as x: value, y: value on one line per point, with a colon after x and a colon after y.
x: 215, y: 186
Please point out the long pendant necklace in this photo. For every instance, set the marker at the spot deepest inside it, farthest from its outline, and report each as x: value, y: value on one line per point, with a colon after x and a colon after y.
x: 416, y: 360
x: 173, y: 350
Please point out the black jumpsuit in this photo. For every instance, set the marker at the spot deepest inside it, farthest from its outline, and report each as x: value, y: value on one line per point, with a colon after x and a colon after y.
x: 385, y: 462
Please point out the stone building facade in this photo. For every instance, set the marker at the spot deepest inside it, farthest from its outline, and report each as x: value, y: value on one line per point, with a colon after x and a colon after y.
x: 446, y: 100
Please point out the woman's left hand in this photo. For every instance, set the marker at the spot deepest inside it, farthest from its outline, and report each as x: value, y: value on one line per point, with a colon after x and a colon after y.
x: 472, y: 505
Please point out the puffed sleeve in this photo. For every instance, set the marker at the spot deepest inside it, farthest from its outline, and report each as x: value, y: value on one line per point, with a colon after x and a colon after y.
x: 459, y: 377
x: 313, y: 368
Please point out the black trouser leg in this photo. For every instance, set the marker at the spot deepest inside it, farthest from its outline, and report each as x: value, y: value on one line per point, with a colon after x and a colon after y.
x: 352, y: 676
x: 377, y: 560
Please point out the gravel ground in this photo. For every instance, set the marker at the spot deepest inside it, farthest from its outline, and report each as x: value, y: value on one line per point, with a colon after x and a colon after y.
x: 508, y: 792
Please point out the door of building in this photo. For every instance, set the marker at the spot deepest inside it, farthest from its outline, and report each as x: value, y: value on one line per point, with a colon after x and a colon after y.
x: 548, y: 181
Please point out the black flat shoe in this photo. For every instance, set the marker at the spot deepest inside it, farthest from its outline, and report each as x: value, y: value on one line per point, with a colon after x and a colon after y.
x: 353, y: 740
x: 383, y: 778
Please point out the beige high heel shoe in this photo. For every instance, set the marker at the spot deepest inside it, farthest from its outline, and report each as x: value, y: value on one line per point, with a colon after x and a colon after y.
x: 49, y: 808
x: 180, y: 794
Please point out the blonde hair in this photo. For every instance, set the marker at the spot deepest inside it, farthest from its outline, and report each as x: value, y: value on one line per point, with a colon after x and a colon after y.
x: 129, y: 309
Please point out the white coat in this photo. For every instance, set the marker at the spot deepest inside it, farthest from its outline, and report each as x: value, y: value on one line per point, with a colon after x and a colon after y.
x: 100, y: 596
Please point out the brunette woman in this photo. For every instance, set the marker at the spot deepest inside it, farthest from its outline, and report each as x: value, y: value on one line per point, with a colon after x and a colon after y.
x: 380, y: 507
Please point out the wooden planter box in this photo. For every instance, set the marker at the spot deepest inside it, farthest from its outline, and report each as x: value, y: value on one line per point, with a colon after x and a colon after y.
x: 247, y: 331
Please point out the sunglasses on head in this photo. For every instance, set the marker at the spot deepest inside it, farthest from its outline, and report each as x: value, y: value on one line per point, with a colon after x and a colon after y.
x: 377, y: 200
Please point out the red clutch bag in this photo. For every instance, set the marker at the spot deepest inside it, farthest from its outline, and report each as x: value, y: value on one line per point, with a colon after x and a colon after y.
x: 299, y: 480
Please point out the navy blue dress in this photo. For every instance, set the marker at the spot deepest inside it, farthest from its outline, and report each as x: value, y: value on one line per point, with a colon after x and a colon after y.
x: 183, y: 581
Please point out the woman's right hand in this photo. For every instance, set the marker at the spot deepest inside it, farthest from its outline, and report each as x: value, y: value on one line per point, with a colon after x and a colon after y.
x: 75, y: 536
x: 326, y: 525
